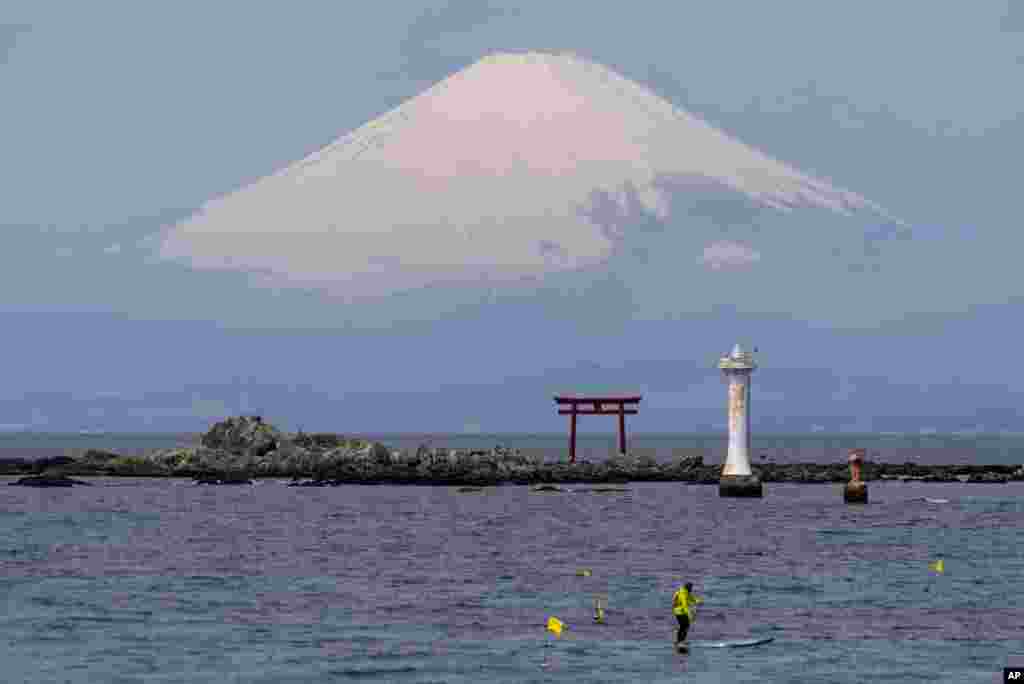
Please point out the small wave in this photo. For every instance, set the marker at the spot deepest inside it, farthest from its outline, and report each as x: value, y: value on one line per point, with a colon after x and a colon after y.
x: 46, y: 601
x: 796, y: 589
x: 843, y: 533
x: 358, y: 673
x: 914, y: 522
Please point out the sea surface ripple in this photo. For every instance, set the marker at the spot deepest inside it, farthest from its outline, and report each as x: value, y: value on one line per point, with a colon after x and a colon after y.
x: 165, y: 581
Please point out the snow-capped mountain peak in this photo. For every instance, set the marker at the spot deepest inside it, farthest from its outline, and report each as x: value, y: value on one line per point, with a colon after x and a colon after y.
x: 488, y: 174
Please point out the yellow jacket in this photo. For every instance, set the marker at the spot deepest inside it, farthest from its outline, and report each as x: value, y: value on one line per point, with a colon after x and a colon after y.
x: 683, y: 602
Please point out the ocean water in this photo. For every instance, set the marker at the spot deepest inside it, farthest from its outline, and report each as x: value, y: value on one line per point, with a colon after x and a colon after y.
x: 164, y: 581
x: 768, y: 448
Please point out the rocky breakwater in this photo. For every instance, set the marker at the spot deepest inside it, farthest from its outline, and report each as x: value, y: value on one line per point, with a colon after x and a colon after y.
x: 323, y: 460
x: 838, y: 472
x: 54, y: 471
x: 471, y: 469
x: 427, y: 466
x: 240, y: 449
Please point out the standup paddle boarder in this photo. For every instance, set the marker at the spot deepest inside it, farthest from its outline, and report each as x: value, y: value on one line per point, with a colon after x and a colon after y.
x: 682, y: 605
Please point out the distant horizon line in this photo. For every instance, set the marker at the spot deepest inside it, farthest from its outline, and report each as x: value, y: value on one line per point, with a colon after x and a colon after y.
x: 609, y: 434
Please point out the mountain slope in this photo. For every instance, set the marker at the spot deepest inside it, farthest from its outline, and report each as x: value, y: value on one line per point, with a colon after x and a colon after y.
x: 491, y: 174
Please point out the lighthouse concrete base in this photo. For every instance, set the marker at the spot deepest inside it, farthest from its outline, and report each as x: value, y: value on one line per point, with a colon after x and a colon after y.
x: 855, y: 492
x: 740, y: 485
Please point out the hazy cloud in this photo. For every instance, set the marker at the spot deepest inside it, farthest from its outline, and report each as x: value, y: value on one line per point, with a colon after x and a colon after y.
x: 210, y: 408
x: 198, y: 408
x: 8, y: 38
x: 1013, y: 20
x: 109, y: 395
x: 677, y: 400
x: 421, y: 48
x: 728, y: 255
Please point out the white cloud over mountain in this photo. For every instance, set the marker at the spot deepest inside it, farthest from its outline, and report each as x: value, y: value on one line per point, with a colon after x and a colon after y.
x: 721, y: 255
x: 518, y: 166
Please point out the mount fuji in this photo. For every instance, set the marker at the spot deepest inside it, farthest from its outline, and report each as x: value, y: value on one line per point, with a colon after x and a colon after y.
x: 518, y: 166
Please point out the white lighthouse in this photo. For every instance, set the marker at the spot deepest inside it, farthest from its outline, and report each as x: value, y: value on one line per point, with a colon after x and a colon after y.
x: 737, y: 478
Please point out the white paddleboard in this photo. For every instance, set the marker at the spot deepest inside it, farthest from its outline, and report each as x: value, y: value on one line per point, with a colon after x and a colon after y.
x: 733, y: 643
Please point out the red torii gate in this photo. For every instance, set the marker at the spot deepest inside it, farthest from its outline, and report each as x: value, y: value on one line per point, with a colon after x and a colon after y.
x: 598, y: 409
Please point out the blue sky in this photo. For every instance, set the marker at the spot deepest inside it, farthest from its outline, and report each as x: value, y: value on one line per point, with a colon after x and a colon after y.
x: 120, y: 119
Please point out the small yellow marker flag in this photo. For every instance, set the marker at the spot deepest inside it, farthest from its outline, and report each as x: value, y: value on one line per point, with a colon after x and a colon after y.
x: 937, y: 566
x: 555, y: 625
x: 583, y: 572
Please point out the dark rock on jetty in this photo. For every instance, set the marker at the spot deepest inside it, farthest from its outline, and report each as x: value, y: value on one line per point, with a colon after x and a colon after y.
x: 501, y: 466
x: 547, y: 488
x: 22, y: 466
x: 239, y: 449
x: 15, y: 466
x: 48, y: 481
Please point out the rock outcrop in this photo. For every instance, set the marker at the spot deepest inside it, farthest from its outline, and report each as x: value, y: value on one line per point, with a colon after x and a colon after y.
x: 240, y: 448
x: 243, y: 436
